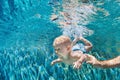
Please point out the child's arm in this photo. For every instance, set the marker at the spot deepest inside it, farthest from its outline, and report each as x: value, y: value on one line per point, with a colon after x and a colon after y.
x: 56, y: 61
x: 115, y: 62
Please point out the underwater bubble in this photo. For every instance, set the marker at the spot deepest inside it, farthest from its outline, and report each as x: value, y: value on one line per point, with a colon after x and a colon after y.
x: 78, y: 31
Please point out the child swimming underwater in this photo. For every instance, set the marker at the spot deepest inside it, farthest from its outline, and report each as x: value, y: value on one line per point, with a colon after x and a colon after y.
x: 69, y: 52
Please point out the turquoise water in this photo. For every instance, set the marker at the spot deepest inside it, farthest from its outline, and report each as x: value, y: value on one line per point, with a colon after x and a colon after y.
x: 26, y: 36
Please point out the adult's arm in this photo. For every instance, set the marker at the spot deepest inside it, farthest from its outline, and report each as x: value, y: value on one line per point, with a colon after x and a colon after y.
x: 115, y: 62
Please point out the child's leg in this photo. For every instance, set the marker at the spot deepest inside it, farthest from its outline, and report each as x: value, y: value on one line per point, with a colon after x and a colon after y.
x: 88, y: 44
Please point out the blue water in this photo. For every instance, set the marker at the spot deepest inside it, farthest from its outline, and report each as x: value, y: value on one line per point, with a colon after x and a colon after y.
x: 26, y: 36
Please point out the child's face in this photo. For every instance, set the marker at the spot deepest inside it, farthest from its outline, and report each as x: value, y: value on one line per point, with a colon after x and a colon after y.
x: 62, y: 50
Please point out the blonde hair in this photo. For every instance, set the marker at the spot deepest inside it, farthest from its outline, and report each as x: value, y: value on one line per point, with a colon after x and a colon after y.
x: 62, y: 40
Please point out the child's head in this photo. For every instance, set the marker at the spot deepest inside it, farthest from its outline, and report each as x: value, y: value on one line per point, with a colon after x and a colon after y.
x: 62, y: 45
x: 62, y: 40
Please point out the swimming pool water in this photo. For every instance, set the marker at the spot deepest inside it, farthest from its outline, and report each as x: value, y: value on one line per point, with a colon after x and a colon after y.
x: 26, y: 36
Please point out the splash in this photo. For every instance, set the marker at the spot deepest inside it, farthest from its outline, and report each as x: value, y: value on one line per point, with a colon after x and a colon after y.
x: 73, y: 31
x: 79, y: 17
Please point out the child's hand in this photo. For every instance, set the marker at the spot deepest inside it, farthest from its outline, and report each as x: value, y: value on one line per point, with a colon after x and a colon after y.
x: 77, y: 64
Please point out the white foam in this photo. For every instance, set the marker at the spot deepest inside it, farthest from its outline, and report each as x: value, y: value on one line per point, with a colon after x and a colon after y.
x: 73, y: 31
x: 81, y: 16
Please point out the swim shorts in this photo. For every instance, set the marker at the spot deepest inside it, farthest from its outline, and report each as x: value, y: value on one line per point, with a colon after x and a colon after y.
x: 79, y: 46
